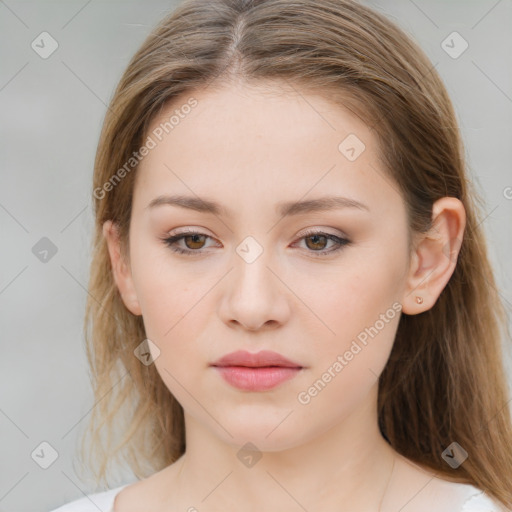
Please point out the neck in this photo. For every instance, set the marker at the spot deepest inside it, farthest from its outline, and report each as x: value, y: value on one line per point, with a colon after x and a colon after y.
x: 348, y: 465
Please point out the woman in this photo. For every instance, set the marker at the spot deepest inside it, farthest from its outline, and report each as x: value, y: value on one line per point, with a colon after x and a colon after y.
x: 291, y: 304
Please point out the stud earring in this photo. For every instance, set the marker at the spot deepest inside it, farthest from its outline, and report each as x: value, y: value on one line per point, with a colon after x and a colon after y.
x: 419, y: 299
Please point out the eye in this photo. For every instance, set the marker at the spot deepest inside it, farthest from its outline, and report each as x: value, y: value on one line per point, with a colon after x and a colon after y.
x: 319, y: 239
x: 194, y: 242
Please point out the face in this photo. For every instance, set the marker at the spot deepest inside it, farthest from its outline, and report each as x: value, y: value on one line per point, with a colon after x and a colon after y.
x: 322, y: 287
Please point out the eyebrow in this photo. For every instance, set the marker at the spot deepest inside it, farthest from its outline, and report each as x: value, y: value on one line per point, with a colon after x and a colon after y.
x: 204, y: 205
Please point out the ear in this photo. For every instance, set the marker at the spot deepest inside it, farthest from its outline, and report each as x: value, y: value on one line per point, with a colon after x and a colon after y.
x: 435, y: 256
x: 121, y: 269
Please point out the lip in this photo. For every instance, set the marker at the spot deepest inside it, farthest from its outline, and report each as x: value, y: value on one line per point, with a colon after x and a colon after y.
x: 256, y: 372
x: 257, y: 360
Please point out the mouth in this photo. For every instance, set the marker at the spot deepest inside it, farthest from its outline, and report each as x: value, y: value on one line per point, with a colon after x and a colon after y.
x: 256, y: 372
x: 256, y: 360
x: 261, y: 378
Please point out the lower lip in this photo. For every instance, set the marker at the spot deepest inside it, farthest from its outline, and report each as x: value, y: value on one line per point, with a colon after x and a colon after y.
x: 256, y: 379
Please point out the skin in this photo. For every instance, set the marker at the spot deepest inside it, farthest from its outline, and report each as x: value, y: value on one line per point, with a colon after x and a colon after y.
x: 249, y: 147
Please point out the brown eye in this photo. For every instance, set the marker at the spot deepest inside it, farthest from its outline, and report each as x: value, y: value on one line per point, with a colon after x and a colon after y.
x: 196, y: 242
x: 193, y: 241
x: 318, y: 241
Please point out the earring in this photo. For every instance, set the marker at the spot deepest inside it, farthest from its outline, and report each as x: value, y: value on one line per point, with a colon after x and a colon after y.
x: 419, y: 300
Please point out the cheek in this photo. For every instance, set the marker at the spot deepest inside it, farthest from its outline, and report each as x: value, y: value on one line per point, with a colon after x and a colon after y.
x: 364, y: 315
x: 359, y: 310
x: 175, y: 312
x: 172, y: 309
x: 172, y: 301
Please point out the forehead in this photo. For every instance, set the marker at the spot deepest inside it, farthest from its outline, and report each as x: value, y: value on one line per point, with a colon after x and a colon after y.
x: 260, y: 141
x: 260, y: 108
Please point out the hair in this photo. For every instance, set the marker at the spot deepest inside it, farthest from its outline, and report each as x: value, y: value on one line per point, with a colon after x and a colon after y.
x: 444, y: 380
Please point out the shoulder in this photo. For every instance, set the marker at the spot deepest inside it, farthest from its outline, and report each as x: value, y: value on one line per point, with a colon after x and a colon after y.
x: 467, y: 498
x: 420, y: 490
x: 151, y: 492
x: 103, y: 501
x: 478, y: 501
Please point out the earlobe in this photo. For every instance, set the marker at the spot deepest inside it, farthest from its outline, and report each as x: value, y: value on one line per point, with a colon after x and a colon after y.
x: 435, y: 256
x: 120, y: 268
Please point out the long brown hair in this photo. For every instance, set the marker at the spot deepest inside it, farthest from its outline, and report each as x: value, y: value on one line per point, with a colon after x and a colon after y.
x: 445, y: 379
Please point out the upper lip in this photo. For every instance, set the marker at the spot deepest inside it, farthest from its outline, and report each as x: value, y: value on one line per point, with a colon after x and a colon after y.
x: 259, y: 359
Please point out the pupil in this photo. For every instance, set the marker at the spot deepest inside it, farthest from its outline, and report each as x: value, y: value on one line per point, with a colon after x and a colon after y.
x: 315, y: 238
x: 194, y: 239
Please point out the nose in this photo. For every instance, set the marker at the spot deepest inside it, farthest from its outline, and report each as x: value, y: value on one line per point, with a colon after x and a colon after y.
x: 254, y: 295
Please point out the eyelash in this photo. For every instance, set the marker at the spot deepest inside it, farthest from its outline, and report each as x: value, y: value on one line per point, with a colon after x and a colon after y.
x: 170, y: 241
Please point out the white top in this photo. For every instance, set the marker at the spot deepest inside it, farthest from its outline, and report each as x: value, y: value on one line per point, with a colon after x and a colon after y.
x: 101, y: 501
x: 474, y: 500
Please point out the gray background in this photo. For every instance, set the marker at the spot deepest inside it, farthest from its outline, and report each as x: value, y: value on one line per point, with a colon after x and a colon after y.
x: 52, y: 110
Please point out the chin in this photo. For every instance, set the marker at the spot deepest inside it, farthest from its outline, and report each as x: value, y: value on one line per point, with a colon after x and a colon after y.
x: 262, y: 442
x: 261, y: 433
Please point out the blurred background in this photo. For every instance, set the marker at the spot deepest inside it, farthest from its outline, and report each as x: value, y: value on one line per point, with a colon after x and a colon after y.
x: 60, y: 62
